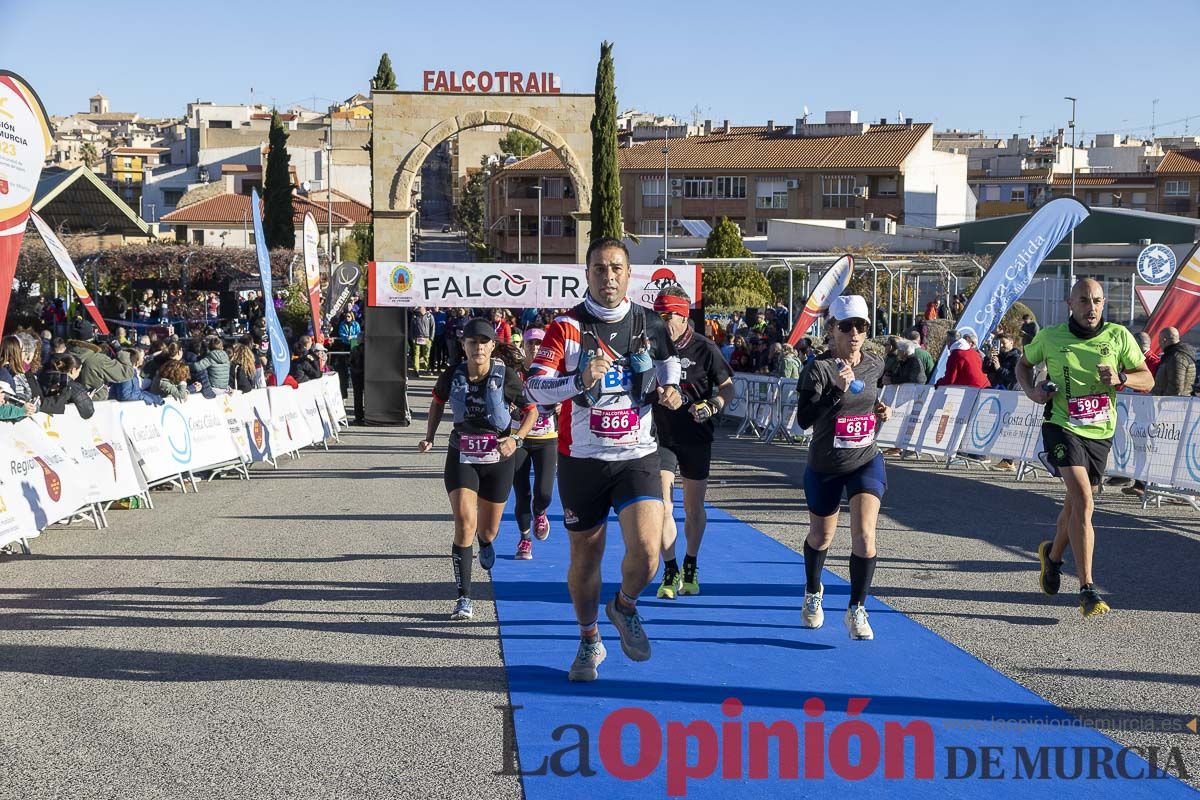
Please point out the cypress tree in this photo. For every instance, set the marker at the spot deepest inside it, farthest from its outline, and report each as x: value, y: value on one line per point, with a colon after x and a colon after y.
x: 278, y: 227
x: 606, y: 177
x: 385, y: 79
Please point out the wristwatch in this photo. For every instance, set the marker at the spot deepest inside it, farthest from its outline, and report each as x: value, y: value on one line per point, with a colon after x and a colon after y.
x: 520, y: 440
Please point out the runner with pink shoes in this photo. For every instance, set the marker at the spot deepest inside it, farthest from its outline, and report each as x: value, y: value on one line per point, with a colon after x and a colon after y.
x: 536, y: 465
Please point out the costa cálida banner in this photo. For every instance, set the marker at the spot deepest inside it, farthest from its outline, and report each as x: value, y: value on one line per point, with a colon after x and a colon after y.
x: 468, y: 285
x: 312, y: 270
x: 831, y: 285
x: 1180, y: 306
x: 281, y: 360
x: 1014, y: 268
x: 61, y: 257
x: 25, y: 141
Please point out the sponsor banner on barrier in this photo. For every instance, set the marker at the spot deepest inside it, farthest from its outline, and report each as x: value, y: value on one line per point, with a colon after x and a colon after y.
x: 471, y: 285
x: 908, y: 410
x: 1148, y: 436
x: 52, y: 485
x: 238, y: 415
x: 1187, y: 462
x: 178, y: 437
x: 16, y: 517
x: 310, y: 398
x: 259, y: 428
x: 333, y: 398
x: 1004, y: 424
x: 944, y: 419
x: 98, y: 445
x: 290, y: 429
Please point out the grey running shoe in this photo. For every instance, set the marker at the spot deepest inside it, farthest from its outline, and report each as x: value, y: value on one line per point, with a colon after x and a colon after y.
x: 462, y: 609
x: 812, y: 615
x: 633, y: 636
x: 857, y: 624
x: 590, y: 656
x: 1050, y: 575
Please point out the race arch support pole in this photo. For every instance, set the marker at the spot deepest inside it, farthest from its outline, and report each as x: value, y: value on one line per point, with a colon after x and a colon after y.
x: 385, y: 381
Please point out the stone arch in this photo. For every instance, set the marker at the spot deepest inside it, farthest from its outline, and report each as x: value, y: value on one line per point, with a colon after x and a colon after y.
x: 400, y: 194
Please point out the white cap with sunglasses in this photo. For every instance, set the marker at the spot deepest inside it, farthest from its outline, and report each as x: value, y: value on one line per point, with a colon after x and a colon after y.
x: 849, y: 306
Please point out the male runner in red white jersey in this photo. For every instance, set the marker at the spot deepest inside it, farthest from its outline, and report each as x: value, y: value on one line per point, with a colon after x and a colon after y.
x: 607, y: 361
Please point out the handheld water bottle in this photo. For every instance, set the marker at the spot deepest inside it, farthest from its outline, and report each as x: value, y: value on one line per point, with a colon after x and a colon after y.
x: 856, y: 385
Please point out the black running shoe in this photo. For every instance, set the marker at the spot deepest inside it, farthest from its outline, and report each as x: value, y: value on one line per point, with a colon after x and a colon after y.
x: 1051, y: 574
x: 1090, y: 602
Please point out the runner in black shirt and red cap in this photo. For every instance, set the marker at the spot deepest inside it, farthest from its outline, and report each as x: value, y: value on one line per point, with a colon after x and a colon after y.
x: 685, y: 437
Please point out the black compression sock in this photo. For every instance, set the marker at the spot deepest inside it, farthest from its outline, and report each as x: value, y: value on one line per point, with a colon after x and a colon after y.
x: 462, y: 557
x: 689, y: 562
x: 814, y: 563
x: 670, y: 566
x: 525, y: 535
x: 862, y: 572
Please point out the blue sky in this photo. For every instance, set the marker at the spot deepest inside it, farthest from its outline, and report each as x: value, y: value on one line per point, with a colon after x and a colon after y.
x: 996, y: 67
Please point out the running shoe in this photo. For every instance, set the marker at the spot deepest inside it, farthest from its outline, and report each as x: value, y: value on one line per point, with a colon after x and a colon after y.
x: 541, y: 527
x: 1051, y: 574
x: 690, y: 584
x: 812, y: 615
x: 671, y: 582
x: 487, y: 555
x: 524, y: 550
x: 462, y: 609
x: 589, y: 656
x: 634, y: 641
x: 857, y: 624
x: 1090, y: 602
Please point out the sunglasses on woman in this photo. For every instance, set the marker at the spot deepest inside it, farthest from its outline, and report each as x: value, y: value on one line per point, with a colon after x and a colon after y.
x: 847, y: 325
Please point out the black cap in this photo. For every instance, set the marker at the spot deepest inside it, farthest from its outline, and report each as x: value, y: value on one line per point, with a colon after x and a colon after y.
x: 480, y: 328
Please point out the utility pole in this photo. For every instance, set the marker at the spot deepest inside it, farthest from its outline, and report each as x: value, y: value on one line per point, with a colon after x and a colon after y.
x: 1071, y: 258
x: 666, y: 151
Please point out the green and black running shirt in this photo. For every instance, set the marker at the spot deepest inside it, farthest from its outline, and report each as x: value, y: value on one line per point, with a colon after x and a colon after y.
x: 1083, y: 404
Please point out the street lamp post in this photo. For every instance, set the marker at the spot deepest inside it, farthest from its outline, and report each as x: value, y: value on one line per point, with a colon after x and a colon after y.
x: 539, y: 238
x: 1071, y: 257
x: 666, y: 151
x: 520, y: 233
x: 329, y: 195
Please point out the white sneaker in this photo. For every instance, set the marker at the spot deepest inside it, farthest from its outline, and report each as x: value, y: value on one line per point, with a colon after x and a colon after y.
x: 857, y: 624
x: 813, y: 616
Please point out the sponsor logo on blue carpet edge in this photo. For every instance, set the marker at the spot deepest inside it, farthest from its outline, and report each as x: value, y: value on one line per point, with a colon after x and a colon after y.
x: 182, y: 453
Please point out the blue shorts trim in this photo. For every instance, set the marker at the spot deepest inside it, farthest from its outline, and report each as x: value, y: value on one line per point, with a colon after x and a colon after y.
x: 632, y: 500
x: 823, y: 491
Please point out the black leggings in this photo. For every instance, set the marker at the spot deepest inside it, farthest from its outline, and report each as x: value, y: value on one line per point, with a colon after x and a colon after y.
x: 543, y: 460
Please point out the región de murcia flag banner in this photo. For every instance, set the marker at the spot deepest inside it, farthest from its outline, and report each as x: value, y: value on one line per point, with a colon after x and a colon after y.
x: 1180, y: 305
x: 829, y: 288
x: 25, y: 142
x: 63, y: 259
x: 312, y: 271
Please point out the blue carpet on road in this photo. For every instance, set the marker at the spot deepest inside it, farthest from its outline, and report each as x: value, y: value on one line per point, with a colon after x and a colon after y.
x: 742, y: 639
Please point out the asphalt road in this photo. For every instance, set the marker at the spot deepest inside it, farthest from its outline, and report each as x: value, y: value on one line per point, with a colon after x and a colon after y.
x: 287, y: 637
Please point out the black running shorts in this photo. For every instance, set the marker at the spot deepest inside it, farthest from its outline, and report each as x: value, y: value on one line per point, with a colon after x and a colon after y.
x: 492, y: 482
x: 1065, y: 448
x: 691, y: 460
x: 589, y: 487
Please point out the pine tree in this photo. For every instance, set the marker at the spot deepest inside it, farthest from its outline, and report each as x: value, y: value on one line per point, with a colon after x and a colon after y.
x: 385, y: 79
x: 606, y: 177
x: 278, y: 226
x: 731, y: 286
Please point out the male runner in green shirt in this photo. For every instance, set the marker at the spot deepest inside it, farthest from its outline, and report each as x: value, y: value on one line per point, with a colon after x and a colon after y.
x: 1088, y: 360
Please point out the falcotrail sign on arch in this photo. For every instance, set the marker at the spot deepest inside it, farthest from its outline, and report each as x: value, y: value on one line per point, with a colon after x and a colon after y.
x: 404, y: 284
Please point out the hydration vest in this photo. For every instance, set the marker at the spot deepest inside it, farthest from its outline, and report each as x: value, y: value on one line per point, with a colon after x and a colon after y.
x: 643, y: 380
x: 498, y: 415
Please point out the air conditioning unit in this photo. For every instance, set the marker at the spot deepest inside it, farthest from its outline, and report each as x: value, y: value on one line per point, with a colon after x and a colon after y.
x: 676, y: 224
x: 862, y: 192
x: 676, y: 183
x: 677, y: 193
x: 793, y: 184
